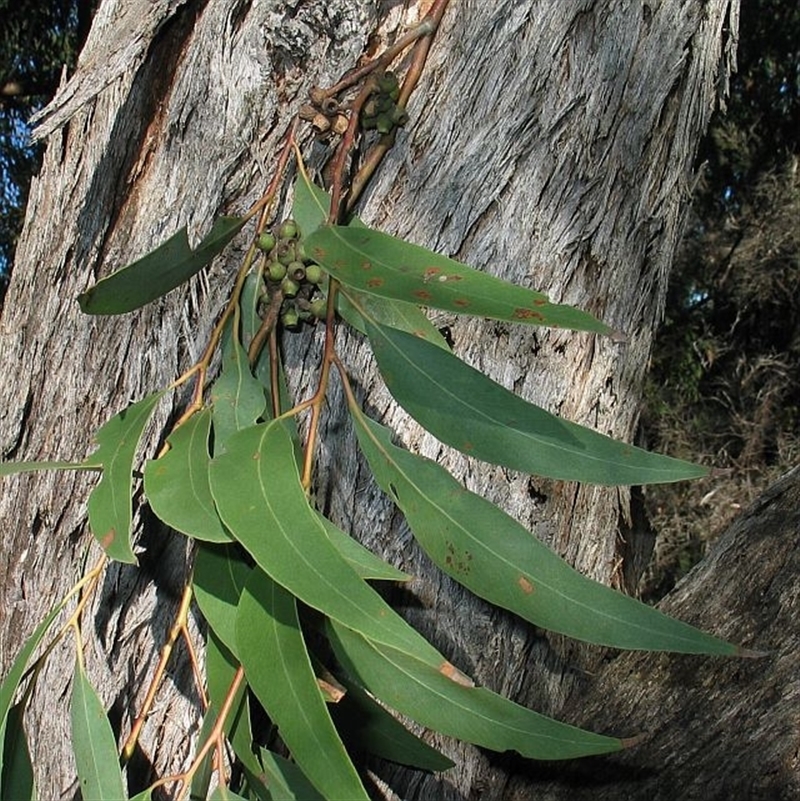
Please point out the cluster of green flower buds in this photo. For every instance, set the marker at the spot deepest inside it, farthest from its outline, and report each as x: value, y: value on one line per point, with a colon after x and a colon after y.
x: 297, y: 277
x: 381, y: 112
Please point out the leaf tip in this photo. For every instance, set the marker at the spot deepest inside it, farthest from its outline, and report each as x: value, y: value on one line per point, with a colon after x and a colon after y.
x: 749, y: 653
x: 637, y: 739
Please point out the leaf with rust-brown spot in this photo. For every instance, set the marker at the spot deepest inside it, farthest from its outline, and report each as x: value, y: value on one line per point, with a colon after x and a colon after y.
x: 440, y: 699
x: 413, y: 274
x: 505, y: 562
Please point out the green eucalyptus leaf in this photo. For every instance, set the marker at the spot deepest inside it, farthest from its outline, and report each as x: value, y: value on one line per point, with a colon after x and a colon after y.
x: 93, y: 742
x: 257, y: 489
x: 160, y: 271
x: 12, y: 468
x: 279, y: 672
x: 311, y: 204
x: 311, y: 207
x: 252, y: 291
x: 201, y: 780
x: 495, y: 557
x: 473, y: 714
x: 110, y: 507
x: 286, y: 781
x: 11, y: 682
x: 378, y: 264
x: 463, y: 408
x: 9, y: 687
x: 241, y: 740
x: 177, y: 485
x: 370, y: 728
x: 16, y: 769
x: 220, y: 574
x: 221, y: 666
x: 393, y: 313
x: 362, y: 560
x: 237, y: 394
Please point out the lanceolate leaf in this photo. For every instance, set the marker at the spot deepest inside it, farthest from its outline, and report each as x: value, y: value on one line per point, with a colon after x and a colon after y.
x: 10, y: 683
x: 220, y: 573
x: 259, y: 496
x: 279, y: 672
x: 251, y: 295
x: 394, y: 313
x: 463, y: 408
x: 177, y: 485
x: 311, y: 204
x: 93, y: 741
x: 160, y: 271
x: 379, y: 264
x: 490, y: 553
x: 286, y: 781
x: 238, y: 396
x: 110, y: 510
x: 221, y: 667
x: 362, y: 560
x: 12, y: 468
x: 473, y: 714
x: 16, y: 769
x: 201, y: 780
x: 371, y: 728
x: 310, y: 211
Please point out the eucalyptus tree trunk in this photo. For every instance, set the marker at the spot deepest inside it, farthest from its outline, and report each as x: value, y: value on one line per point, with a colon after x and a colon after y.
x: 550, y: 143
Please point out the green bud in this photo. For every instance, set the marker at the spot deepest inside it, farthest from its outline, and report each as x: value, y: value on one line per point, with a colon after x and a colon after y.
x: 388, y: 83
x: 384, y: 103
x: 285, y: 251
x: 319, y: 308
x: 399, y: 116
x: 288, y: 230
x: 314, y: 273
x: 276, y: 271
x: 289, y: 288
x: 384, y: 123
x: 297, y: 271
x: 290, y: 319
x: 266, y: 242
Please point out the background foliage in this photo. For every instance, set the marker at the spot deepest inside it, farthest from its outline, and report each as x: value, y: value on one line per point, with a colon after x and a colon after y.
x: 725, y: 382
x: 37, y: 40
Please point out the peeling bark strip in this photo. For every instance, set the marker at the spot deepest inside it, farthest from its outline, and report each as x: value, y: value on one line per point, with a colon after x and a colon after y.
x: 550, y: 143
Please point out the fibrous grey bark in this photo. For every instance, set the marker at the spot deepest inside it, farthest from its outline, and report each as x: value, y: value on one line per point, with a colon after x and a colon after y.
x: 550, y: 143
